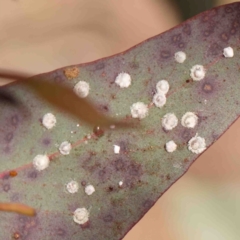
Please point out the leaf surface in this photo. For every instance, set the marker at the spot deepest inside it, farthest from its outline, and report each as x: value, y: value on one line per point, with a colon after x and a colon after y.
x: 143, y: 166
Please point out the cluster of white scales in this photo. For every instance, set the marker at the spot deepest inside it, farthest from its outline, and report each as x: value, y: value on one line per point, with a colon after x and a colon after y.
x: 138, y: 110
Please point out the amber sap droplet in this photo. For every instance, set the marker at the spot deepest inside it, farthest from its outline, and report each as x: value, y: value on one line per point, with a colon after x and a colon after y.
x: 98, y: 131
x: 16, y: 236
x: 13, y: 173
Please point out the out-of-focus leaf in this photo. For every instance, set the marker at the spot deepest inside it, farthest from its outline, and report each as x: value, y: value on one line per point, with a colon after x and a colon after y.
x: 8, y: 98
x: 64, y: 98
x: 17, y: 208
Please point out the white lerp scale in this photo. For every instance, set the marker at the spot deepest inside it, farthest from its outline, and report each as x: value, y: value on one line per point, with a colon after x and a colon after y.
x: 162, y: 86
x: 139, y: 110
x: 123, y: 80
x: 159, y: 99
x: 197, y: 144
x: 49, y: 120
x: 189, y: 120
x: 65, y: 148
x: 197, y: 72
x: 228, y: 52
x: 89, y: 189
x: 41, y: 162
x: 180, y: 56
x: 72, y: 186
x: 81, y: 215
x: 82, y: 89
x: 169, y: 121
x: 171, y: 146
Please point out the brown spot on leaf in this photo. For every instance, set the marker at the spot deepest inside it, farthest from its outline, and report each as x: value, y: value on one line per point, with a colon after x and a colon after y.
x: 16, y: 235
x: 60, y: 232
x: 13, y: 173
x: 201, y: 118
x: 6, y: 187
x: 85, y: 225
x: 187, y: 29
x: 189, y: 80
x: 108, y: 218
x: 104, y: 108
x: 177, y: 38
x: 181, y: 45
x: 98, y: 131
x: 207, y: 87
x: 168, y: 177
x: 110, y: 189
x: 83, y: 183
x: 165, y: 54
x: 185, y: 160
x: 224, y: 37
x: 71, y: 72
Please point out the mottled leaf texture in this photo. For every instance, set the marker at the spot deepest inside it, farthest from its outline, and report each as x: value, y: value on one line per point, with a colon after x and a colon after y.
x: 62, y: 97
x: 129, y: 177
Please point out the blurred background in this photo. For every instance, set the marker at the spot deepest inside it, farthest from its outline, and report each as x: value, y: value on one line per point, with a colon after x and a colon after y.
x: 40, y: 36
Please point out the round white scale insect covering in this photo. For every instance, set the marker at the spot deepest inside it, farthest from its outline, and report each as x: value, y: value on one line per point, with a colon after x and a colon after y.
x: 49, y: 120
x: 189, y: 120
x: 81, y: 215
x: 197, y: 72
x: 162, y: 86
x: 169, y: 121
x: 123, y: 80
x: 171, y: 146
x: 197, y: 144
x: 41, y: 162
x: 65, y: 148
x: 139, y: 110
x: 82, y: 89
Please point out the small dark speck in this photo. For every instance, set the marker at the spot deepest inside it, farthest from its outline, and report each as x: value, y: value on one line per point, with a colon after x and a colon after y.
x: 168, y: 177
x: 83, y: 183
x: 189, y: 80
x: 110, y: 188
